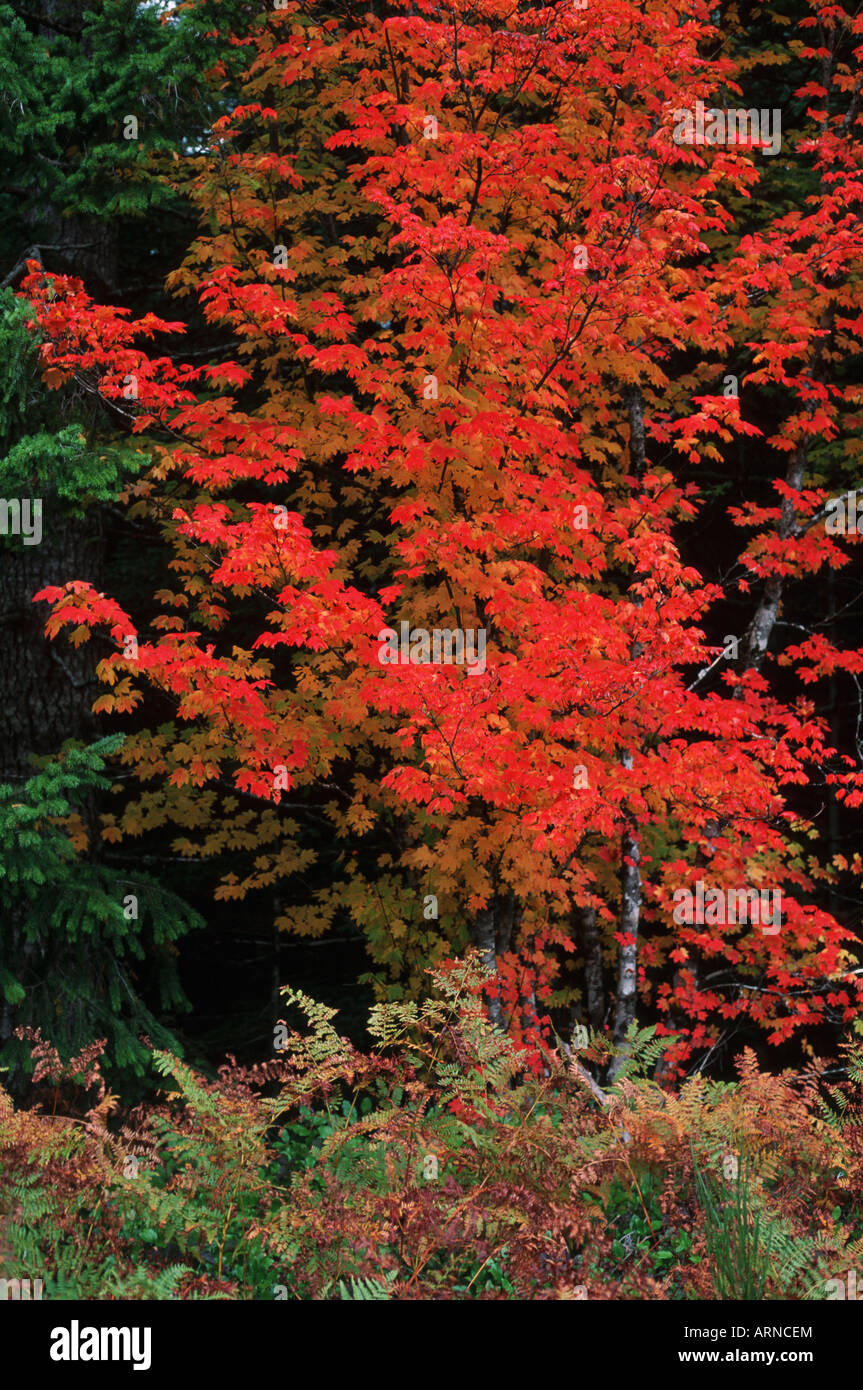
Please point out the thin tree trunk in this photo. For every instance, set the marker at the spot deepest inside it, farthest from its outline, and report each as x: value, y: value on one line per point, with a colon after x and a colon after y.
x: 493, y: 932
x: 484, y: 937
x: 630, y: 919
x: 760, y: 630
x: 630, y: 872
x: 594, y: 991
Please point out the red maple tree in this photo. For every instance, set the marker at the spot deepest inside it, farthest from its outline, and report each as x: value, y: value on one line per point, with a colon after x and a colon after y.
x: 478, y: 321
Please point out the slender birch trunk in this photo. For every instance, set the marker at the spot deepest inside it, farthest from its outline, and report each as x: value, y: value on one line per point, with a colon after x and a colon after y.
x: 630, y: 920
x: 630, y: 872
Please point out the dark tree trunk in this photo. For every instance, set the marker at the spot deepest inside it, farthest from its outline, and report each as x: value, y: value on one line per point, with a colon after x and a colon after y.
x: 46, y: 688
x: 493, y: 932
x: 591, y: 946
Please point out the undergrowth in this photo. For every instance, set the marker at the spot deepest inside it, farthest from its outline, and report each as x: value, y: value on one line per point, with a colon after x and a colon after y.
x: 439, y: 1165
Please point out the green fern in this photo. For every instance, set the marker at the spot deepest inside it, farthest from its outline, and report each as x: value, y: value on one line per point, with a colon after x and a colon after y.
x: 640, y: 1052
x: 368, y: 1289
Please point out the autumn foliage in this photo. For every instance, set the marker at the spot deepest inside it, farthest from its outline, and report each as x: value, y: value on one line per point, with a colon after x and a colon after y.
x: 478, y: 309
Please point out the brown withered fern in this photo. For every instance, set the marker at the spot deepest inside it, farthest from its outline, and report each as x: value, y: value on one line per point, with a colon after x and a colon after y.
x: 436, y: 1165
